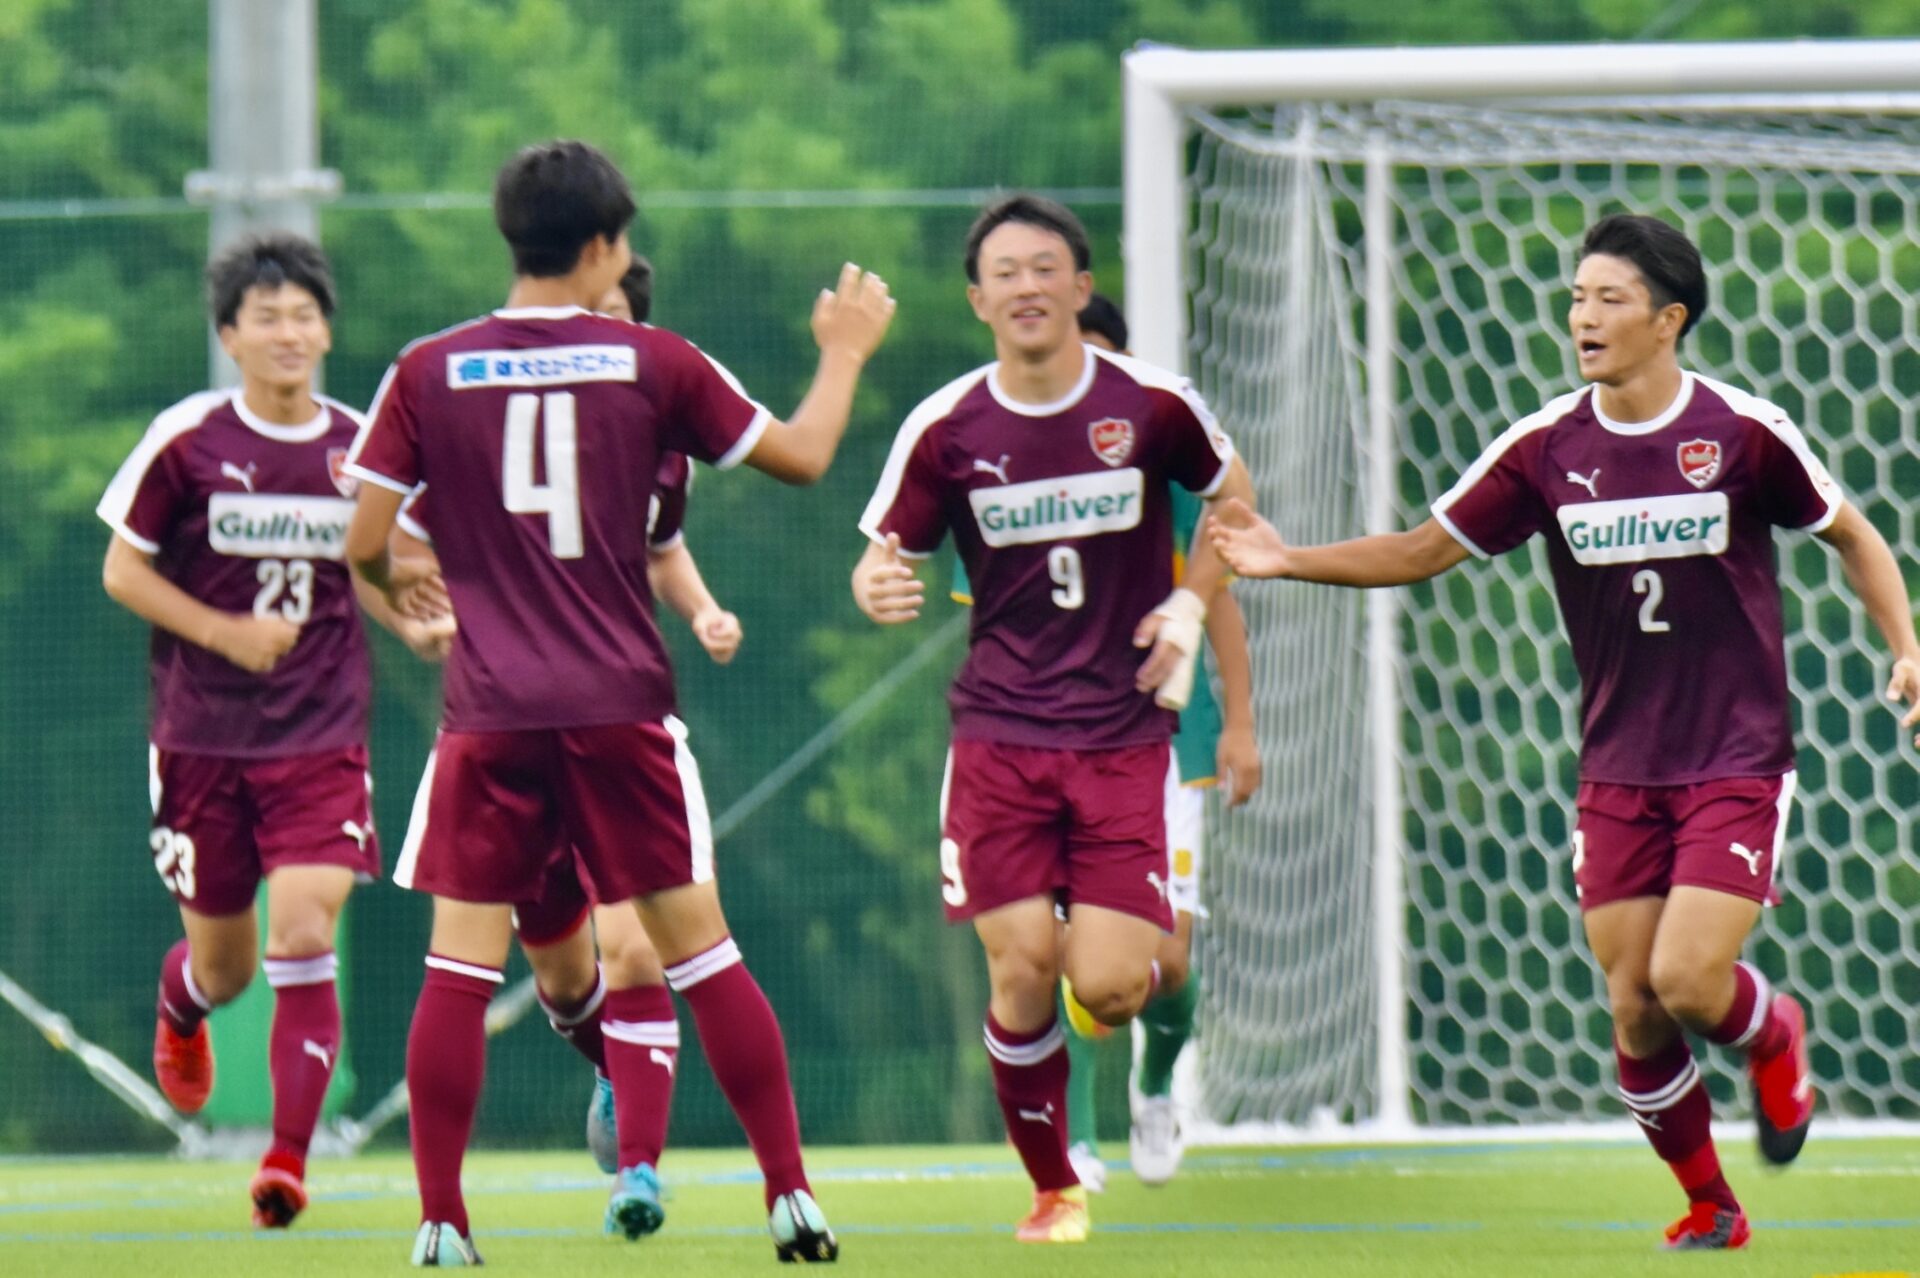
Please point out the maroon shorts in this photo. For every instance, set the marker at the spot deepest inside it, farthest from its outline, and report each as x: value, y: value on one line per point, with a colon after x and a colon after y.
x: 560, y: 906
x: 220, y: 824
x: 493, y: 806
x: 1086, y: 825
x: 1639, y: 840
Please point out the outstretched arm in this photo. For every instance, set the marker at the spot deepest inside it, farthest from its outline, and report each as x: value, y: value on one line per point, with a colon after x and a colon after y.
x: 1875, y: 577
x: 1254, y: 548
x: 848, y: 323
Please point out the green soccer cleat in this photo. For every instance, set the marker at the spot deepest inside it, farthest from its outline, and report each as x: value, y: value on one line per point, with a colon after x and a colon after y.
x: 603, y: 1136
x: 634, y: 1209
x: 441, y: 1246
x: 799, y: 1230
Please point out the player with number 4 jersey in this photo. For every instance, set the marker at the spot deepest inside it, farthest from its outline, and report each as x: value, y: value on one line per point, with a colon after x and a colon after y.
x: 541, y: 429
x: 1657, y: 491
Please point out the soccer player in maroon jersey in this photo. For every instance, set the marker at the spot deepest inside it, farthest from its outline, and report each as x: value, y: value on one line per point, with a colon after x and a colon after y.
x: 603, y: 989
x: 1052, y: 465
x: 541, y: 428
x: 1658, y: 490
x: 229, y: 522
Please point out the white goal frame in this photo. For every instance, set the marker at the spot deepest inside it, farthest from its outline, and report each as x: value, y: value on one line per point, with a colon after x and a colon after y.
x: 1160, y: 86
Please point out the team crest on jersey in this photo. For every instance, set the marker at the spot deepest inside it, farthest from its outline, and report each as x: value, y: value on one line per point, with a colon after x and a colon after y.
x: 1112, y: 439
x: 345, y: 484
x: 1700, y: 461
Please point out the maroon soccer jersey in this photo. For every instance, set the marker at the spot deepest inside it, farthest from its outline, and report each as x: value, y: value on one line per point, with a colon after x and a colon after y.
x: 666, y: 513
x: 542, y: 431
x: 1062, y: 518
x: 247, y: 515
x: 1660, y: 539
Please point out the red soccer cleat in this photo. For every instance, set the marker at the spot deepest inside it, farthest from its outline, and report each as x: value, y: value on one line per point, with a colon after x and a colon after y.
x: 183, y: 1066
x: 1783, y: 1092
x: 278, y: 1195
x: 1709, y: 1227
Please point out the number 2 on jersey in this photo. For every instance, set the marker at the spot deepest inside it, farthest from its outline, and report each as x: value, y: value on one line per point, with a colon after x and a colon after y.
x: 559, y: 498
x: 1647, y: 582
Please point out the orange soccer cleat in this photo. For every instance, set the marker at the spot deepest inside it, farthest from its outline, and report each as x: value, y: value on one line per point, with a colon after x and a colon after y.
x: 278, y: 1195
x: 1058, y: 1216
x: 1709, y: 1227
x: 183, y: 1065
x: 1783, y: 1088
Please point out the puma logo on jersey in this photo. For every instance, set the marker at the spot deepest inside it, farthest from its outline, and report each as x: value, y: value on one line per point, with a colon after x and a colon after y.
x: 1750, y: 855
x: 660, y: 1058
x: 1157, y: 883
x: 1039, y: 1115
x: 999, y: 469
x: 318, y: 1052
x: 357, y: 832
x: 1588, y: 482
x: 240, y: 476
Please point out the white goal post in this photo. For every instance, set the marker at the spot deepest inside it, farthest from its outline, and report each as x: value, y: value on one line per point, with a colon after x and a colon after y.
x: 1359, y: 255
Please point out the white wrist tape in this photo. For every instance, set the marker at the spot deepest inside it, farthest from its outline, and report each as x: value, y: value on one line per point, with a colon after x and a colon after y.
x: 1183, y: 615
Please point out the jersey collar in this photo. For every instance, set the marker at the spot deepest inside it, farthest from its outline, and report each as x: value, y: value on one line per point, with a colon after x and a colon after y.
x: 539, y: 312
x: 304, y: 433
x: 1665, y: 419
x: 1061, y: 405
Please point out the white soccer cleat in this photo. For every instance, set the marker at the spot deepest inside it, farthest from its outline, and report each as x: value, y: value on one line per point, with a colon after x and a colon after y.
x: 1155, y: 1145
x: 441, y: 1246
x: 1087, y: 1165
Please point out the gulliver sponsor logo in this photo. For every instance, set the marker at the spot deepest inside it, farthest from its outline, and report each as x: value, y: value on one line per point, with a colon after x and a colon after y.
x: 276, y: 526
x: 1056, y: 509
x: 1624, y: 532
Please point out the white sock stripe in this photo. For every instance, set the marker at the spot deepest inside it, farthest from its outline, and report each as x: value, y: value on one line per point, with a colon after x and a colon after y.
x: 568, y: 1020
x: 1664, y: 1097
x: 684, y: 976
x: 193, y: 990
x: 493, y: 974
x: 643, y: 1033
x: 315, y: 970
x: 1762, y: 1000
x: 1026, y: 1053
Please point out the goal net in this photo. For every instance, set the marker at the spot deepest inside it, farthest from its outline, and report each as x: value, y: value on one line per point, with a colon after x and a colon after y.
x: 1374, y: 290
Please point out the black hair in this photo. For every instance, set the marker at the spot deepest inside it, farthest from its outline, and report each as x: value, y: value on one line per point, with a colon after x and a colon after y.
x: 550, y: 200
x: 1033, y: 210
x: 1101, y: 316
x: 1666, y: 259
x: 266, y: 261
x: 637, y: 284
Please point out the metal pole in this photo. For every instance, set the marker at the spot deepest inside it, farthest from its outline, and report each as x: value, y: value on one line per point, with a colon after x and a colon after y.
x: 1383, y: 624
x: 263, y: 134
x: 1154, y: 233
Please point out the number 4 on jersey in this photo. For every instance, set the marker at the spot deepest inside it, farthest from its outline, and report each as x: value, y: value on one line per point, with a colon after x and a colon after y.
x: 559, y: 498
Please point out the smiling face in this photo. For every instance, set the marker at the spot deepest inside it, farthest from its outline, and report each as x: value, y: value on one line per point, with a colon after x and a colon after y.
x: 1617, y: 329
x: 1029, y: 293
x: 278, y: 337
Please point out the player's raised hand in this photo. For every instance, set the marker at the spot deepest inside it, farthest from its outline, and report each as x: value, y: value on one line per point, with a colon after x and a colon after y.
x: 1237, y: 760
x: 718, y: 632
x: 884, y: 584
x: 1905, y: 688
x: 852, y: 317
x: 1251, y: 546
x: 430, y: 640
x: 255, y: 644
